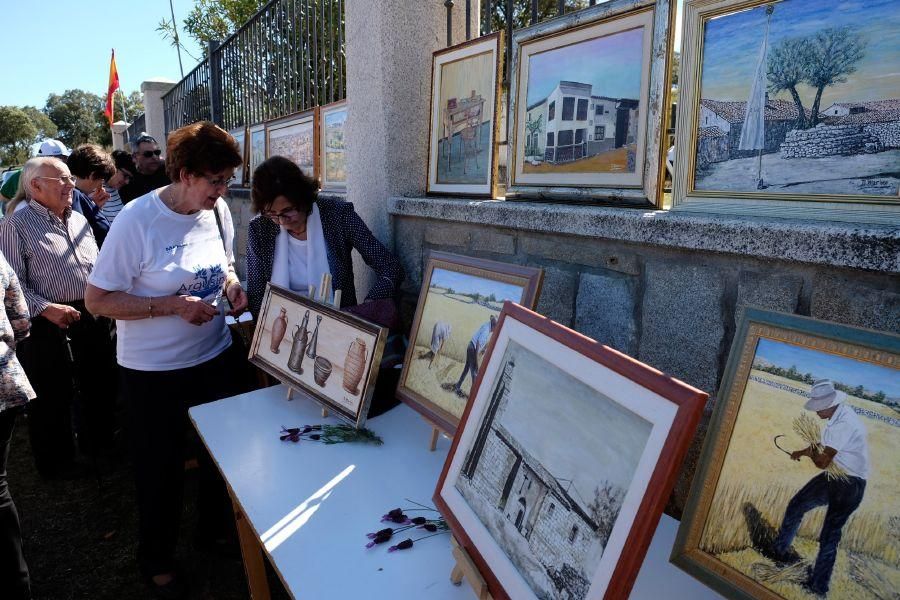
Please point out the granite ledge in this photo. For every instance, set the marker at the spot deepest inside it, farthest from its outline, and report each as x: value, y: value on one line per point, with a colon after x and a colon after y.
x: 869, y: 247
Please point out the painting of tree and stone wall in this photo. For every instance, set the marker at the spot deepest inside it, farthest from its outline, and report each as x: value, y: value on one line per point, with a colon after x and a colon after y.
x: 801, y: 97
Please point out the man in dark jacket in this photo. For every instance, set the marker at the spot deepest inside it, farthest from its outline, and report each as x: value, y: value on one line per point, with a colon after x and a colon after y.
x: 151, y: 169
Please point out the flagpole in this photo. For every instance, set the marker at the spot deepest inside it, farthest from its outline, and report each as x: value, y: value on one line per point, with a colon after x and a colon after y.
x: 760, y: 185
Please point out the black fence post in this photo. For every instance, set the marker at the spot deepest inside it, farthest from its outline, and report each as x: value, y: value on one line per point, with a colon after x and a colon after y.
x: 215, y: 84
x: 449, y: 5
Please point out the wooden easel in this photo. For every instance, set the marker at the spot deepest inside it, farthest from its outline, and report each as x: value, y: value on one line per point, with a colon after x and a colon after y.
x: 290, y: 396
x: 466, y: 569
x: 435, y: 434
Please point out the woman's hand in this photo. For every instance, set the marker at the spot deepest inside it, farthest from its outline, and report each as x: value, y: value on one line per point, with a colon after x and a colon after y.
x: 238, y: 298
x: 194, y: 310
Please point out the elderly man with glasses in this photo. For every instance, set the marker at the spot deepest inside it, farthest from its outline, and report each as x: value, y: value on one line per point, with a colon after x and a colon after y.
x: 70, y: 356
x: 150, y: 170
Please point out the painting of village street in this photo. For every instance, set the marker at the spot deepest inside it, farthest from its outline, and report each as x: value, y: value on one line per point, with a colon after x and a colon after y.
x: 583, y: 106
x: 296, y: 141
x: 548, y: 470
x: 335, y: 161
x: 457, y: 306
x: 747, y: 524
x: 801, y: 97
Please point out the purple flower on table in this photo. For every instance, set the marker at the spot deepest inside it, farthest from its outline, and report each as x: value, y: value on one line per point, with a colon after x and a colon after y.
x: 404, y: 545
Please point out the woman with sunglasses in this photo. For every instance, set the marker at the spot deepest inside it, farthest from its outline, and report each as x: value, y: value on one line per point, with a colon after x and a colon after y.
x: 164, y: 274
x: 299, y: 235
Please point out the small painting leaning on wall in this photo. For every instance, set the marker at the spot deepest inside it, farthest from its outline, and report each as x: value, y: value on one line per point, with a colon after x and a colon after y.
x: 333, y: 146
x: 795, y: 100
x: 563, y: 461
x: 797, y: 496
x: 294, y: 137
x: 457, y: 313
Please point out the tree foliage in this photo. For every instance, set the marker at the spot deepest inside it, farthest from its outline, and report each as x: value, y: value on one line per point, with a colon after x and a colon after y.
x: 75, y: 114
x: 134, y: 106
x: 17, y: 131
x: 211, y: 20
x: 787, y: 69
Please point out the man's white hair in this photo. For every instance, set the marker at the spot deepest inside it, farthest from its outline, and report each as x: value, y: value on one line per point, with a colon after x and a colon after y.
x: 31, y: 170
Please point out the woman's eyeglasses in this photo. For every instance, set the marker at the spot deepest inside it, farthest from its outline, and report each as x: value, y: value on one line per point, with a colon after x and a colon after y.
x: 286, y: 215
x: 62, y: 179
x: 220, y: 181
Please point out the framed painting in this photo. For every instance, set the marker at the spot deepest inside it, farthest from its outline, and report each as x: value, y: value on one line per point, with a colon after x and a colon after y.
x: 294, y: 137
x: 331, y: 355
x: 256, y: 148
x: 587, y: 104
x: 563, y: 462
x: 240, y: 136
x: 790, y: 109
x: 458, y: 308
x: 465, y: 96
x: 333, y: 146
x: 797, y: 495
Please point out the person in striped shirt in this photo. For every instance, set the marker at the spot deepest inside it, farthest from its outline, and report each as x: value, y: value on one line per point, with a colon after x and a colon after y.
x: 52, y: 250
x: 125, y: 171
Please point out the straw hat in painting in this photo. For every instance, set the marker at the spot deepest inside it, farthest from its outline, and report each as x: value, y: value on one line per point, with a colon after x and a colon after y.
x: 823, y: 396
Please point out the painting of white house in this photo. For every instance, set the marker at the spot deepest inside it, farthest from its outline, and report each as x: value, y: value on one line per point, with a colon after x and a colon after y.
x: 582, y: 105
x: 547, y: 470
x: 801, y: 97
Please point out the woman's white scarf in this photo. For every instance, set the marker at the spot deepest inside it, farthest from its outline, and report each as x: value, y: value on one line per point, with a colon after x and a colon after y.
x: 316, y: 254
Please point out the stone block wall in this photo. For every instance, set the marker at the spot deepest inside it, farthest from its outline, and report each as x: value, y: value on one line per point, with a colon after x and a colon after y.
x: 829, y: 140
x: 712, y: 149
x: 667, y: 289
x: 887, y: 133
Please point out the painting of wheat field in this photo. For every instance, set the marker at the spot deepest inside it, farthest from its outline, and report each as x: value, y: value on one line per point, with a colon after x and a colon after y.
x: 843, y: 544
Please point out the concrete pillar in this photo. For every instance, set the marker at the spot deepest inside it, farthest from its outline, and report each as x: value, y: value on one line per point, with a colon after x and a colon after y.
x: 153, y: 91
x: 389, y: 45
x: 118, y: 135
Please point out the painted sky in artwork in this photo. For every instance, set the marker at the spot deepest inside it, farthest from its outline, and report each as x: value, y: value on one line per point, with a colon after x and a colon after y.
x: 611, y: 64
x: 732, y: 43
x: 467, y: 284
x: 576, y: 432
x: 336, y: 117
x: 838, y: 368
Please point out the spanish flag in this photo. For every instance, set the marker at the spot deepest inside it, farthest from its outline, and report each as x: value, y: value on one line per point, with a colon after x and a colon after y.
x: 113, y: 86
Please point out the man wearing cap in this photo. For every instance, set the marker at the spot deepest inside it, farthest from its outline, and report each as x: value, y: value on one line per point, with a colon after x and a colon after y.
x: 51, y: 248
x: 151, y: 170
x: 843, y: 443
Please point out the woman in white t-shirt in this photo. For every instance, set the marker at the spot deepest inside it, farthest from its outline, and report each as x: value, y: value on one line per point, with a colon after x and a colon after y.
x: 162, y: 275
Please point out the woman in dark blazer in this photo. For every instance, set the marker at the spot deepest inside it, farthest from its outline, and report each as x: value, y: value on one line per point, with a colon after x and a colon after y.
x: 298, y: 235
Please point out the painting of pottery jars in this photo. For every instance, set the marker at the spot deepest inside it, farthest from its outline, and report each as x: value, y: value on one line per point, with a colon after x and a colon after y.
x: 320, y: 352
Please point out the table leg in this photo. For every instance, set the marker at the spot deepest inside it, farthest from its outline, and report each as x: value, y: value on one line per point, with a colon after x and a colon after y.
x: 254, y: 563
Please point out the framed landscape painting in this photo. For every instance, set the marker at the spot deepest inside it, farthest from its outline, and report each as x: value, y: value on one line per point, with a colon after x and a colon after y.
x: 240, y: 136
x: 587, y: 103
x: 563, y: 462
x: 458, y: 308
x: 797, y: 495
x: 331, y: 355
x: 333, y: 146
x: 790, y: 109
x: 465, y: 95
x: 257, y: 148
x: 294, y: 137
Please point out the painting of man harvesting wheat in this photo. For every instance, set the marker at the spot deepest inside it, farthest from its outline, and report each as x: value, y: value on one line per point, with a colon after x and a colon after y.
x: 801, y: 476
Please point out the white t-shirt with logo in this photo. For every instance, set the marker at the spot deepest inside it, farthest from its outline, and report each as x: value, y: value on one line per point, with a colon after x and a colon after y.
x: 153, y: 251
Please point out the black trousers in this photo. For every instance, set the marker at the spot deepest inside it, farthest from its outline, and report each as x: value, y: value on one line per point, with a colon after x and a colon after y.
x: 160, y: 434
x: 471, y: 365
x: 76, y: 391
x: 14, y: 581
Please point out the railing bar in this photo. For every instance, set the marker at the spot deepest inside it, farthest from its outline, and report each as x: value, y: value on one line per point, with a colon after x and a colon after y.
x: 534, y: 11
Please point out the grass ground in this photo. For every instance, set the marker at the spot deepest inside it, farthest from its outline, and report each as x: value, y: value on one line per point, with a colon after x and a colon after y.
x: 80, y: 537
x: 758, y: 481
x: 612, y: 161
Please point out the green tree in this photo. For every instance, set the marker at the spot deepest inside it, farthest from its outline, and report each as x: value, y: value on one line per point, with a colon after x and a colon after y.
x: 75, y: 114
x: 521, y: 10
x: 833, y: 55
x: 211, y: 20
x: 45, y: 127
x: 17, y: 133
x: 787, y: 68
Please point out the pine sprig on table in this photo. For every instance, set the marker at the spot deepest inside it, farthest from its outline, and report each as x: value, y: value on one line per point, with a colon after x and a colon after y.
x: 330, y: 434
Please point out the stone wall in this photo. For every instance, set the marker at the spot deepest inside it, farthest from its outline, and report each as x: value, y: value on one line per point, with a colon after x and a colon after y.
x: 711, y: 149
x: 665, y: 288
x: 829, y: 140
x: 887, y: 133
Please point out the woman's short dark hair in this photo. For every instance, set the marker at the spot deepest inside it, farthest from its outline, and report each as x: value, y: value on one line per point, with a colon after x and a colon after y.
x: 123, y: 160
x: 280, y: 176
x: 200, y: 149
x: 90, y: 160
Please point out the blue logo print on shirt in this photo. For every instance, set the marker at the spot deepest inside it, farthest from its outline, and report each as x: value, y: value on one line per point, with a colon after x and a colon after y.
x: 208, y: 281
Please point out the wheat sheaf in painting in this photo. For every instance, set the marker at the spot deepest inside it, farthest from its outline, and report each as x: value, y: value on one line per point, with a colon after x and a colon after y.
x: 801, y: 97
x: 805, y: 504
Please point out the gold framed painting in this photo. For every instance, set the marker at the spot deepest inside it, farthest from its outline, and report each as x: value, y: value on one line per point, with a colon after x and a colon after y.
x: 465, y: 97
x: 256, y: 142
x: 456, y: 315
x: 330, y: 354
x: 790, y: 108
x: 587, y: 103
x: 333, y: 146
x: 797, y: 496
x: 295, y: 137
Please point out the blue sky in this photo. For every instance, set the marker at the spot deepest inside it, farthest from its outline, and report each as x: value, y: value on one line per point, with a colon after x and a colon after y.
x: 732, y: 43
x: 838, y: 368
x: 461, y: 282
x: 611, y: 64
x: 84, y: 33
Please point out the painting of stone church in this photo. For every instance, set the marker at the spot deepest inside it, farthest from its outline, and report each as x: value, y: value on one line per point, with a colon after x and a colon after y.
x: 550, y: 503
